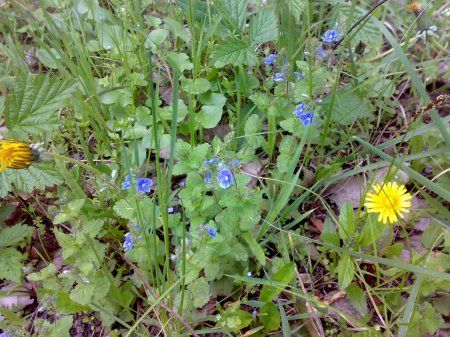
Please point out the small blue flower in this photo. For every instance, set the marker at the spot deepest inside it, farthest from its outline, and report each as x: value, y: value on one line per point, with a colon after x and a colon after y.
x: 225, y: 178
x: 207, y: 177
x: 320, y: 52
x: 144, y: 185
x: 278, y: 77
x: 330, y: 36
x: 128, y: 243
x: 212, y: 161
x: 125, y: 186
x: 271, y: 59
x: 298, y: 75
x: 306, y: 118
x: 249, y: 274
x: 235, y: 162
x: 211, y: 231
x: 299, y: 109
x: 254, y: 313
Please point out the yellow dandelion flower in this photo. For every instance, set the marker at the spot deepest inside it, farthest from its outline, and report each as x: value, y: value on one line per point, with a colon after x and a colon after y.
x: 390, y: 200
x: 15, y: 155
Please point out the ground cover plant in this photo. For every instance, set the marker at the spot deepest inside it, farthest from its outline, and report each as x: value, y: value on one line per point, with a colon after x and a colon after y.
x: 224, y: 168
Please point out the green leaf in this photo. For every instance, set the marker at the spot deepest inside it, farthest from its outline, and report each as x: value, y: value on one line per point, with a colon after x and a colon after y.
x: 347, y: 225
x: 296, y: 8
x: 48, y: 58
x: 357, y: 298
x: 11, y: 236
x: 263, y: 26
x: 270, y: 317
x: 254, y: 247
x: 61, y: 328
x: 124, y: 209
x: 209, y: 116
x: 212, y: 98
x: 82, y: 294
x: 200, y: 292
x: 284, y: 276
x: 196, y: 86
x: 234, y: 319
x: 235, y: 12
x: 329, y: 234
x: 63, y: 304
x: 33, y: 102
x: 43, y: 274
x: 37, y: 176
x: 372, y: 231
x: 346, y: 271
x: 179, y: 61
x: 347, y: 107
x: 156, y: 38
x: 177, y: 30
x: 11, y: 265
x: 234, y: 52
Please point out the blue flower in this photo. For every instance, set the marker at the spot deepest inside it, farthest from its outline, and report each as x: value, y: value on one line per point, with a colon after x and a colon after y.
x: 306, y: 118
x: 299, y: 109
x: 330, y: 36
x: 278, y: 77
x: 235, y: 162
x: 254, y: 313
x: 144, y: 185
x: 5, y: 334
x: 225, y: 178
x: 298, y: 75
x: 125, y: 186
x: 128, y: 243
x: 211, y: 231
x: 271, y: 59
x: 320, y: 52
x: 212, y: 161
x: 207, y: 177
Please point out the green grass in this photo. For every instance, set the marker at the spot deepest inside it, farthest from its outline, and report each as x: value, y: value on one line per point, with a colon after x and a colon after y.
x: 154, y: 89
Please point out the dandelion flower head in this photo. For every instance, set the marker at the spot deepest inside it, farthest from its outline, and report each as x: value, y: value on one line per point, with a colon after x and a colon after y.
x: 389, y: 200
x: 15, y: 155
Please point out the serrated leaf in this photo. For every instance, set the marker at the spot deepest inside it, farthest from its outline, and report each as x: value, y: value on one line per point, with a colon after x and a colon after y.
x: 296, y: 8
x: 367, y: 31
x: 200, y: 292
x: 11, y: 265
x: 37, y: 176
x: 43, y: 274
x: 33, y: 102
x: 11, y: 236
x: 235, y: 12
x: 234, y: 52
x: 263, y: 26
x: 346, y: 271
x: 82, y: 293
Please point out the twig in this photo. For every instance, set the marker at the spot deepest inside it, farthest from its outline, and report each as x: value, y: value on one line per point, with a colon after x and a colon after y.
x: 155, y: 295
x: 378, y: 4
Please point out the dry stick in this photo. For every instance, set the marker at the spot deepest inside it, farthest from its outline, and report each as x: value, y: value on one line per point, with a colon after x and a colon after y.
x: 378, y: 4
x: 155, y: 295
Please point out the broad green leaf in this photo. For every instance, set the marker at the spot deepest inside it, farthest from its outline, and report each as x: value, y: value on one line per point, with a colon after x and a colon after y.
x: 347, y: 225
x: 111, y: 36
x: 347, y: 107
x: 156, y: 38
x: 234, y: 52
x: 48, y: 58
x: 43, y: 274
x: 234, y: 319
x: 346, y: 271
x: 372, y: 231
x: 179, y: 61
x: 196, y: 86
x: 33, y: 103
x: 357, y: 298
x: 270, y: 317
x: 284, y: 275
x: 37, y: 176
x: 329, y: 234
x: 11, y: 265
x: 11, y: 236
x: 209, y: 116
x: 212, y: 98
x: 235, y: 12
x: 200, y: 292
x: 61, y: 327
x: 124, y: 209
x: 296, y: 8
x: 254, y: 247
x: 264, y: 26
x: 177, y: 29
x: 82, y: 293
